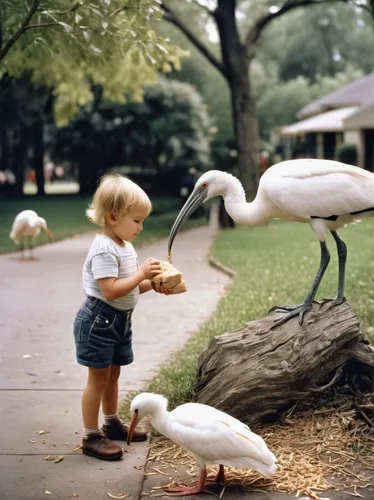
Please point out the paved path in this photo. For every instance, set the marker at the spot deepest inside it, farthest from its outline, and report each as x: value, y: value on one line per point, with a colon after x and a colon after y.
x: 41, y: 384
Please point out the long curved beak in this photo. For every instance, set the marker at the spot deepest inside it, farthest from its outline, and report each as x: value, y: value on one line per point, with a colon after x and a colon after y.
x: 49, y: 233
x: 133, y: 424
x: 195, y: 200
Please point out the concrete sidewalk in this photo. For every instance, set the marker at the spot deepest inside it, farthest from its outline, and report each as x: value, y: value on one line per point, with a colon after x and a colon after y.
x: 41, y: 384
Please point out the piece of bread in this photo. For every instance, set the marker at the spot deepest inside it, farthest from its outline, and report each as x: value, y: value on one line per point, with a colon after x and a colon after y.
x: 170, y: 278
x: 179, y: 288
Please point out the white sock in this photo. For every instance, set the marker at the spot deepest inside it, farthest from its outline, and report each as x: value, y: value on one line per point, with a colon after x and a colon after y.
x: 90, y: 432
x: 109, y: 419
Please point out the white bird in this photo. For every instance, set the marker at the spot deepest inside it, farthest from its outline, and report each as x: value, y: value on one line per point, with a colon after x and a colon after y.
x: 26, y: 227
x: 210, y: 435
x: 323, y: 193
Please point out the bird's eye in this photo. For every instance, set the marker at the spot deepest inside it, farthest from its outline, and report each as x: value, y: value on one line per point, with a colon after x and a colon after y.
x: 205, y: 185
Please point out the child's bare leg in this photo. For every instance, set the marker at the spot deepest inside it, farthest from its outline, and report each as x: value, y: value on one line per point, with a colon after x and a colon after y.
x: 113, y: 427
x: 96, y: 384
x: 94, y: 443
x: 109, y: 399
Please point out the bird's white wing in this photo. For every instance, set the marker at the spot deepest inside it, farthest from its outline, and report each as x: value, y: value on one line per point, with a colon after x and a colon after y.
x: 29, y: 215
x: 219, y: 438
x: 20, y: 226
x: 318, y: 188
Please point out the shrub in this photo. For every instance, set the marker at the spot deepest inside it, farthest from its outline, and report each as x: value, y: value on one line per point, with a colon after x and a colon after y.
x: 346, y: 153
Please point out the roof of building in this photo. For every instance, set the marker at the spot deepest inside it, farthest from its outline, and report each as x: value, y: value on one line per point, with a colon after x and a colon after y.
x: 331, y: 121
x: 356, y: 93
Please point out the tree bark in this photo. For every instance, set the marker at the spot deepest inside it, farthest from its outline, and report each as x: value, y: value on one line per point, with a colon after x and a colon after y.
x: 234, y: 67
x: 260, y: 370
x: 4, y: 150
x: 16, y: 141
x: 87, y: 176
x: 246, y: 133
x: 236, y: 62
x: 38, y: 157
x: 20, y: 159
x: 224, y: 219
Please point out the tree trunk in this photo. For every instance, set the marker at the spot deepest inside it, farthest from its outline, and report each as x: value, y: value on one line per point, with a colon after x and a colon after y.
x: 258, y: 371
x: 236, y: 71
x: 4, y: 150
x: 38, y: 157
x: 224, y: 219
x: 87, y: 176
x: 246, y: 132
x: 20, y: 159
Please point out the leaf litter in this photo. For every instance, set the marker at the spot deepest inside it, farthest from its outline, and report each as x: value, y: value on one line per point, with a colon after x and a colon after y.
x: 317, y: 450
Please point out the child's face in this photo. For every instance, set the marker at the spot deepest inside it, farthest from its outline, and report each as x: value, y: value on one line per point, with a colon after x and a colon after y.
x: 128, y: 226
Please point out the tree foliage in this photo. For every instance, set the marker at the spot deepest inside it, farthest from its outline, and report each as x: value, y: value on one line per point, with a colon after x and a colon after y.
x: 68, y: 46
x: 332, y: 38
x: 239, y: 27
x: 292, y: 66
x: 279, y: 102
x: 169, y: 130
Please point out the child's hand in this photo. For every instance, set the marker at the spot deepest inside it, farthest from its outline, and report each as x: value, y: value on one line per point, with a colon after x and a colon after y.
x: 150, y: 268
x: 157, y: 287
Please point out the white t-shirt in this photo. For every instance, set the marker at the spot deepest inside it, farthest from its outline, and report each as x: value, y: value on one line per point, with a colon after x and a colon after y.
x: 106, y: 259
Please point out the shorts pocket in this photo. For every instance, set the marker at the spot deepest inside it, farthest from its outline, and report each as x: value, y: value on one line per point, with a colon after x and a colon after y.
x: 102, y: 323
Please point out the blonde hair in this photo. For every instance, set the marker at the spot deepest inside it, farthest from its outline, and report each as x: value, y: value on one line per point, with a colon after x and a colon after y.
x: 117, y: 194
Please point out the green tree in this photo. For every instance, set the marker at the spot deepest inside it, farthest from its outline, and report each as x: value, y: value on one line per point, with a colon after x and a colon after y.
x: 24, y: 108
x: 281, y: 107
x: 279, y: 60
x: 332, y: 38
x: 167, y: 133
x: 57, y: 52
x: 67, y: 46
x: 238, y: 49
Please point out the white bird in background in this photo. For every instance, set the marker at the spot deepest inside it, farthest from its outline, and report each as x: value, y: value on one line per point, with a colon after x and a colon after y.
x: 25, y: 229
x: 211, y: 436
x: 326, y: 194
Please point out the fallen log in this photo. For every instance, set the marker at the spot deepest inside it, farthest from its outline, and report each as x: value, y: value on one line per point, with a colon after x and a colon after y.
x: 260, y: 370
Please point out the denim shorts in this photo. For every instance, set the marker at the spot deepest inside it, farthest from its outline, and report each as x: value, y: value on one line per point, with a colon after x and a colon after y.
x: 103, y: 335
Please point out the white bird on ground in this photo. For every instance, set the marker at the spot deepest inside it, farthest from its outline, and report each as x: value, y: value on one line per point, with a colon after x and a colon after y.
x: 25, y: 229
x: 326, y: 194
x: 211, y: 436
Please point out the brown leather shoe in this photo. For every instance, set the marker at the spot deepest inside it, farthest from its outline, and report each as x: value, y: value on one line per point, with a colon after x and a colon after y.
x: 101, y: 447
x: 118, y: 431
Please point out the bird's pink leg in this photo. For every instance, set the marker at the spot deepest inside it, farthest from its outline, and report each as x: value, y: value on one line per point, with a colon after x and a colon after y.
x: 219, y: 478
x: 22, y: 248
x: 181, y: 490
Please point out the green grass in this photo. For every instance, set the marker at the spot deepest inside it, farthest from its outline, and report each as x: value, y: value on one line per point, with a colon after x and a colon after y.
x: 65, y: 215
x: 56, y: 187
x: 275, y: 264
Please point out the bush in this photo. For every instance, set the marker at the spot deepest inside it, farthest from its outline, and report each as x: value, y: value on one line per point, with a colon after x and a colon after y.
x: 346, y: 153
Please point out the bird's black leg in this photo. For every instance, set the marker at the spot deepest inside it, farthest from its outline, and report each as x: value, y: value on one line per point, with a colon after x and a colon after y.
x: 307, y: 305
x: 342, y: 256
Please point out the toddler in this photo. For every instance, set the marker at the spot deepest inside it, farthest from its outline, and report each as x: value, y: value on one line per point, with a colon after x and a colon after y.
x: 112, y: 282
